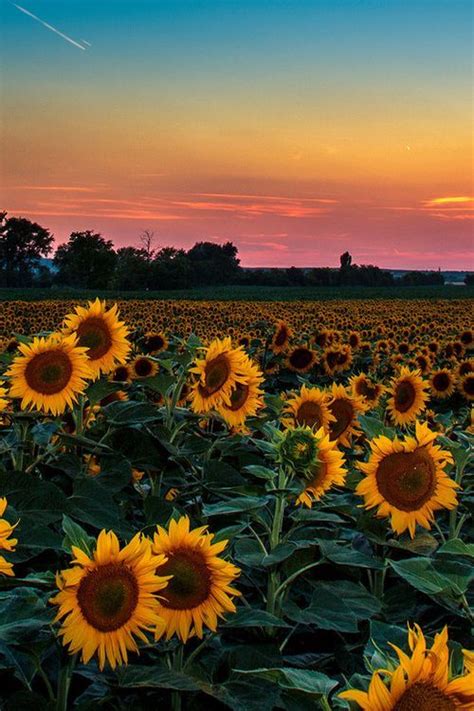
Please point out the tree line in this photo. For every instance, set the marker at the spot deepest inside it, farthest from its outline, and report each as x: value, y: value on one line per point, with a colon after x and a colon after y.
x: 89, y: 261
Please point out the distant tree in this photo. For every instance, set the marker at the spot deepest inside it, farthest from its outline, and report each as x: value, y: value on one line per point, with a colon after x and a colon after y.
x: 87, y: 261
x: 346, y: 261
x: 214, y: 263
x: 147, y: 238
x: 346, y: 268
x: 171, y: 269
x: 22, y: 245
x: 415, y: 278
x: 296, y: 277
x: 469, y: 279
x: 132, y: 269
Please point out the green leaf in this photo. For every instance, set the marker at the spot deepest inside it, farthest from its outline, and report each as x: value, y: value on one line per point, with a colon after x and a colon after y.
x: 253, y: 618
x: 22, y: 614
x: 261, y: 472
x: 76, y: 536
x: 346, y: 555
x: 457, y: 547
x: 131, y: 413
x: 432, y: 577
x: 136, y: 676
x: 374, y: 427
x: 237, y: 505
x: 310, y: 682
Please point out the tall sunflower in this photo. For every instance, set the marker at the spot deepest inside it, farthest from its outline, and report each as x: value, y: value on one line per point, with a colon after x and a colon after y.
x: 49, y: 373
x: 308, y: 407
x: 245, y: 399
x: 327, y: 470
x: 99, y: 330
x: 110, y: 598
x: 200, y: 590
x: 6, y: 543
x: 344, y: 407
x: 420, y: 682
x: 405, y: 479
x: 407, y: 396
x: 218, y: 374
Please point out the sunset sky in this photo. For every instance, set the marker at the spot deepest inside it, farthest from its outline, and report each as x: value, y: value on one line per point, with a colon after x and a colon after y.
x: 295, y: 128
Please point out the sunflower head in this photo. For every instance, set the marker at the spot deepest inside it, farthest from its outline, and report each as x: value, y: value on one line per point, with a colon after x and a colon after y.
x: 466, y: 386
x: 6, y: 542
x: 200, y: 590
x: 155, y: 343
x: 297, y: 449
x: 442, y: 383
x: 327, y: 469
x: 308, y: 408
x: 49, y: 373
x: 405, y: 479
x: 344, y: 406
x: 281, y: 337
x: 408, y: 396
x: 143, y: 367
x: 100, y: 331
x: 301, y: 359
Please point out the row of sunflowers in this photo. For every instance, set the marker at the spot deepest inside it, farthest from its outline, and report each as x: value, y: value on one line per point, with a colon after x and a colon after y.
x: 263, y: 509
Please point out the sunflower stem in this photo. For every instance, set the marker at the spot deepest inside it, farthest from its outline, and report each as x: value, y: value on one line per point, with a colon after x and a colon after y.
x: 453, y: 515
x: 177, y: 666
x: 64, y: 683
x: 275, y: 536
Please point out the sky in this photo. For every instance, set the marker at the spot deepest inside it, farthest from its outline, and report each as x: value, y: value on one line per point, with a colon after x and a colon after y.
x: 297, y: 129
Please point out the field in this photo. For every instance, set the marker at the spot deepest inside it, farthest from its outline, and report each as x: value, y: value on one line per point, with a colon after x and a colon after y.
x: 213, y: 504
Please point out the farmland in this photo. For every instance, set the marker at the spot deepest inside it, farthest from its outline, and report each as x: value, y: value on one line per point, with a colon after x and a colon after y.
x: 237, y: 503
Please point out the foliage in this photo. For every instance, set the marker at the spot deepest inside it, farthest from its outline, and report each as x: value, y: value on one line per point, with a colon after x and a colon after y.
x: 22, y: 245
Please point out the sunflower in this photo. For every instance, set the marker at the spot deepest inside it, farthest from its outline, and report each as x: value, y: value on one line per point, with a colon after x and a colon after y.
x: 245, y: 399
x: 309, y: 407
x: 328, y: 470
x: 121, y: 374
x: 3, y: 397
x: 405, y: 479
x: 442, y: 383
x: 408, y: 396
x: 154, y: 343
x: 365, y: 388
x: 143, y: 367
x: 301, y: 359
x: 466, y: 386
x: 110, y: 598
x: 344, y: 407
x: 281, y: 337
x: 200, y: 590
x: 421, y: 681
x: 6, y: 543
x: 49, y: 374
x: 100, y: 331
x: 219, y: 372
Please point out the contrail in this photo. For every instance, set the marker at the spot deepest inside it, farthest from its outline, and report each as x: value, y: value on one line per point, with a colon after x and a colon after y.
x: 49, y: 27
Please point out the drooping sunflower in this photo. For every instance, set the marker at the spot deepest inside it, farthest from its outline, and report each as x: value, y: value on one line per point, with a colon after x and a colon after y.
x: 442, y: 383
x: 466, y: 386
x: 365, y: 388
x: 49, y: 373
x: 300, y: 359
x: 200, y: 590
x: 405, y: 480
x: 327, y: 470
x: 408, y: 396
x: 308, y: 407
x: 245, y: 398
x: 6, y: 543
x: 344, y: 407
x: 281, y: 337
x: 218, y: 374
x: 143, y: 367
x: 110, y: 598
x: 99, y: 330
x: 155, y: 343
x: 420, y: 682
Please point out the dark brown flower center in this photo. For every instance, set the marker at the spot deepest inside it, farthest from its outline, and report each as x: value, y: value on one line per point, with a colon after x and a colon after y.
x: 49, y: 373
x: 108, y: 596
x: 309, y: 413
x: 407, y: 480
x: 143, y: 367
x: 154, y: 343
x: 405, y: 395
x: 424, y: 697
x: 468, y: 385
x: 301, y: 358
x: 281, y: 336
x: 238, y: 397
x: 191, y: 581
x: 121, y: 374
x: 332, y: 359
x: 441, y: 381
x: 343, y: 411
x: 216, y: 373
x: 94, y: 334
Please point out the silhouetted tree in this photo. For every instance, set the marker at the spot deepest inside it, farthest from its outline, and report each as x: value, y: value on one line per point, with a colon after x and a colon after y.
x: 87, y: 260
x: 147, y: 238
x: 415, y: 278
x: 132, y: 269
x: 171, y: 269
x: 214, y: 263
x: 469, y: 279
x: 22, y: 245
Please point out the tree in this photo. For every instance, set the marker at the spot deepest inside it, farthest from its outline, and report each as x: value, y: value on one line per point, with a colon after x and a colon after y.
x: 346, y: 261
x: 87, y: 260
x: 22, y: 245
x: 147, y: 238
x: 171, y: 269
x: 132, y: 269
x: 214, y: 263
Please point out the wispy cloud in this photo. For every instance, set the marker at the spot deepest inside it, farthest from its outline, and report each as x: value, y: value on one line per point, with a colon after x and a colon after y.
x: 436, y: 202
x: 50, y: 27
x: 56, y: 188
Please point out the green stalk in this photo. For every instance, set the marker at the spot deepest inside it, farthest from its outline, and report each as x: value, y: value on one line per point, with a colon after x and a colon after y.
x: 453, y: 515
x: 275, y: 538
x: 64, y: 683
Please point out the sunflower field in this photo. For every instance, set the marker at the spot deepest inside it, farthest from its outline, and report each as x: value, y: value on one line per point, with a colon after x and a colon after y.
x: 236, y: 505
